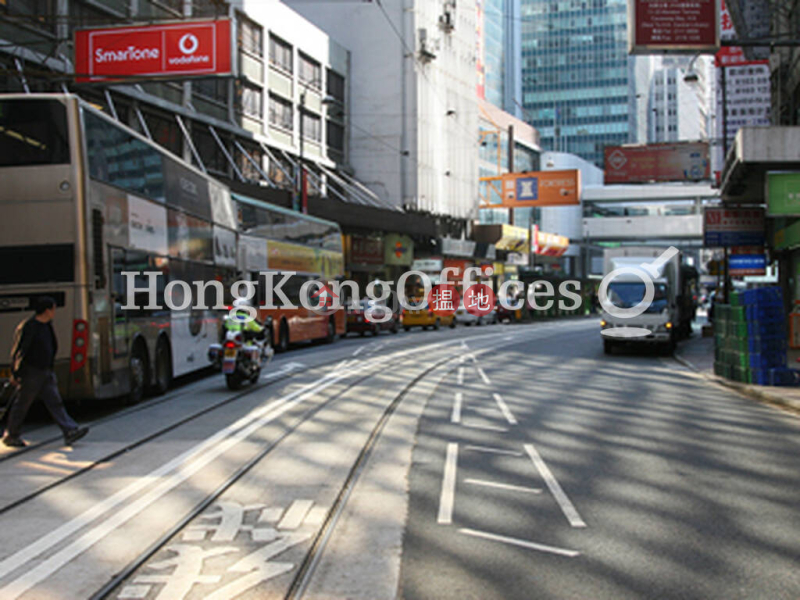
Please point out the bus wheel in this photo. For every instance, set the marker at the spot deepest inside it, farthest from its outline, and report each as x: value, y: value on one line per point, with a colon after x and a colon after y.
x: 136, y: 376
x: 331, y: 332
x: 283, y: 338
x: 163, y: 367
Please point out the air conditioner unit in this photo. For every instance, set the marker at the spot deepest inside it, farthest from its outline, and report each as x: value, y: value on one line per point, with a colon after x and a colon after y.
x: 447, y: 21
x: 426, y: 52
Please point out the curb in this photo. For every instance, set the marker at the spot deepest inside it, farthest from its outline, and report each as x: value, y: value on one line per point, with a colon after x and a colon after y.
x: 743, y: 389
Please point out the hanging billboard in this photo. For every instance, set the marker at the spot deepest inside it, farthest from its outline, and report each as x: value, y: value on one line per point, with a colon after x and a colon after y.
x: 682, y: 161
x: 673, y: 26
x: 164, y: 50
x: 542, y: 188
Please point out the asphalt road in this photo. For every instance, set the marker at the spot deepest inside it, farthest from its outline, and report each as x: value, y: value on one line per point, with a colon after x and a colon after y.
x: 493, y: 462
x: 593, y: 477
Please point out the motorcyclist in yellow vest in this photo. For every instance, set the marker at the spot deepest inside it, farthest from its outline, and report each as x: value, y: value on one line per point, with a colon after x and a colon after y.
x: 250, y: 328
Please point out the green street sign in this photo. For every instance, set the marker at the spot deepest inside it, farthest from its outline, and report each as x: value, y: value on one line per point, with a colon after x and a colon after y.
x: 783, y: 194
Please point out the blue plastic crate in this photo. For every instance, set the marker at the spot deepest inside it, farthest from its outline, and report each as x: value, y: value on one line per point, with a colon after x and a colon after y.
x: 767, y: 360
x: 758, y: 345
x: 766, y: 328
x: 760, y: 312
x: 768, y: 296
x: 759, y: 376
x: 783, y: 376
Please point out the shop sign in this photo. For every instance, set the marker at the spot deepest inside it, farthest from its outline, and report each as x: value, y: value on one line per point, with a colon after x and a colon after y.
x: 366, y: 251
x: 733, y: 227
x: 427, y: 265
x: 453, y: 247
x: 173, y: 50
x: 783, y: 194
x: 747, y: 261
x: 541, y: 188
x: 674, y: 26
x: 398, y: 250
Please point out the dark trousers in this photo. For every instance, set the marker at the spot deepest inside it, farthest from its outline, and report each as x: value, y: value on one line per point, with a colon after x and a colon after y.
x: 38, y: 383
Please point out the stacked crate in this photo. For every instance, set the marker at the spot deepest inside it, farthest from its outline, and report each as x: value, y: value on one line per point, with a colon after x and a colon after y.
x: 750, y: 338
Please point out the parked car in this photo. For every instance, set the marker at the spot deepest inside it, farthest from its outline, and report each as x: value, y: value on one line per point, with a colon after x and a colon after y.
x: 357, y: 321
x: 425, y: 318
x: 464, y: 317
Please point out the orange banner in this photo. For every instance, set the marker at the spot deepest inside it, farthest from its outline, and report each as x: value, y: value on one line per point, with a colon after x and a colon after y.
x: 542, y: 188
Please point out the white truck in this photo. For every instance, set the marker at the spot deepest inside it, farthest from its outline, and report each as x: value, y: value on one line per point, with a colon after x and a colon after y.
x: 666, y: 318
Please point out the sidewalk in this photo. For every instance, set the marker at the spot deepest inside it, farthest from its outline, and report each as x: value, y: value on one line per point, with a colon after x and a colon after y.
x: 697, y: 353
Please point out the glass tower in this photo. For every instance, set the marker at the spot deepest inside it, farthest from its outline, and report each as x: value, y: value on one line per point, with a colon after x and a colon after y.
x: 576, y: 78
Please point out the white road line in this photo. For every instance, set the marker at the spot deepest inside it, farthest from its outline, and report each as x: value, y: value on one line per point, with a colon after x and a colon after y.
x: 483, y: 375
x: 460, y: 377
x: 448, y: 495
x: 492, y: 450
x: 503, y: 486
x: 183, y: 466
x: 522, y: 543
x: 566, y: 506
x: 455, y: 417
x: 176, y: 471
x: 486, y: 427
x: 295, y: 514
x: 504, y: 409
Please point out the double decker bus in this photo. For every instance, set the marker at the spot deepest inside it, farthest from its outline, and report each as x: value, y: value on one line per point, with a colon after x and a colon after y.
x: 85, y: 199
x: 272, y: 238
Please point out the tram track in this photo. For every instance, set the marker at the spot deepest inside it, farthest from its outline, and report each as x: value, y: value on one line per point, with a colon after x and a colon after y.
x: 172, y: 426
x: 308, y: 564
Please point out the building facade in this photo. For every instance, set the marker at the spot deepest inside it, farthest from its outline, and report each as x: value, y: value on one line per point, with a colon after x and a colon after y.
x: 677, y: 109
x: 576, y: 74
x: 412, y: 102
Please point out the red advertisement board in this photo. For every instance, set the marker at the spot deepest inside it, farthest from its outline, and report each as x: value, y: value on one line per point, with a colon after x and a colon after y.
x: 684, y: 161
x: 187, y: 49
x: 673, y: 25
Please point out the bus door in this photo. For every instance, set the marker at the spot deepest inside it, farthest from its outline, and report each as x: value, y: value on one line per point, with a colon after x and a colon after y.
x: 119, y: 331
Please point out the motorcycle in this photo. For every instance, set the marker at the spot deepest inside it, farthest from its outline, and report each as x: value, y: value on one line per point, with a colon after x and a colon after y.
x: 241, y: 360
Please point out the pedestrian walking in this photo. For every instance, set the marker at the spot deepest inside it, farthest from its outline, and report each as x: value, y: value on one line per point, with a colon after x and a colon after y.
x: 32, y: 357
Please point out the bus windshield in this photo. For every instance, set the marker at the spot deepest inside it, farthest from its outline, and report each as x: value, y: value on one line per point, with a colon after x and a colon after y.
x: 33, y: 132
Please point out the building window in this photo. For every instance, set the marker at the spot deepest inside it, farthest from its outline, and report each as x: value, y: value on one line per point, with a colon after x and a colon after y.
x: 165, y: 132
x: 309, y: 71
x: 34, y: 13
x: 311, y: 126
x: 251, y: 36
x: 215, y: 89
x: 247, y: 168
x: 249, y: 100
x: 280, y: 113
x: 335, y: 85
x: 210, y: 153
x: 335, y: 136
x: 280, y: 54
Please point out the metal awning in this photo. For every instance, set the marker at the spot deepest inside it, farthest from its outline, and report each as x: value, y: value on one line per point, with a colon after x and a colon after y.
x: 755, y: 152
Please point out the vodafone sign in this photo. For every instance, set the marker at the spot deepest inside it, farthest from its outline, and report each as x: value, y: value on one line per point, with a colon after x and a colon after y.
x: 191, y: 48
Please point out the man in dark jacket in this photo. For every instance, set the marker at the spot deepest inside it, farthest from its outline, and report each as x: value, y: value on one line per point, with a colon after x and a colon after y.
x: 32, y: 357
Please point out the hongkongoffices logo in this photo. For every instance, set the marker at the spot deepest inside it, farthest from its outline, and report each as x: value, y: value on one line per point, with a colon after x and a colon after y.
x: 479, y: 299
x: 443, y: 299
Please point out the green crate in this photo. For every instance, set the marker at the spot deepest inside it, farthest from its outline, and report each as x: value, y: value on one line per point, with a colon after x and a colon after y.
x: 738, y: 314
x: 740, y: 374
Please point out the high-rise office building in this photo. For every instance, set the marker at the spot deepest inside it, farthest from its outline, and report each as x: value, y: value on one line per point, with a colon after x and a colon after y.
x: 577, y: 78
x: 499, y: 49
